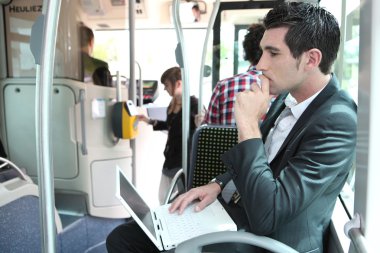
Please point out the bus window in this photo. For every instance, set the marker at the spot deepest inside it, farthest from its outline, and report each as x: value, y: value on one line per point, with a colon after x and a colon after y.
x: 155, y: 51
x: 234, y: 24
x: 347, y: 68
x: 19, y: 18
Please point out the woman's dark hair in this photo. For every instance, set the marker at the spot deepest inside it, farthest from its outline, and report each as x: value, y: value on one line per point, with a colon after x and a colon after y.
x: 172, y: 75
x: 251, y: 43
x: 310, y: 27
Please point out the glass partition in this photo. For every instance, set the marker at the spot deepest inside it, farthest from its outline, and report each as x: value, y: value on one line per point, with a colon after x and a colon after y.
x: 19, y: 17
x: 233, y: 27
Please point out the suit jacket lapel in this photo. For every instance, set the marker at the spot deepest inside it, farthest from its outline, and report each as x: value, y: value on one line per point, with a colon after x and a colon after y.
x: 326, y: 93
x: 275, y: 109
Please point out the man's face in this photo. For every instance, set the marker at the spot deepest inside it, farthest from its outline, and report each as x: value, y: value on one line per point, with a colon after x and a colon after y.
x: 277, y: 63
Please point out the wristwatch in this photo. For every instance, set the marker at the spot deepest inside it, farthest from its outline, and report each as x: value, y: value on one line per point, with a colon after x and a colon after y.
x: 215, y: 180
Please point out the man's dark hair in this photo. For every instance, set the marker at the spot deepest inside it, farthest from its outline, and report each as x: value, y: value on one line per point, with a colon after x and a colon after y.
x: 251, y: 43
x: 86, y: 35
x: 172, y: 75
x: 309, y: 27
x: 195, y: 7
x: 102, y: 76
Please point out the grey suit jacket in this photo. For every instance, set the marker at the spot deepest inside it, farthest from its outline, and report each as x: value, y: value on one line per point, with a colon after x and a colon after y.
x: 295, y: 194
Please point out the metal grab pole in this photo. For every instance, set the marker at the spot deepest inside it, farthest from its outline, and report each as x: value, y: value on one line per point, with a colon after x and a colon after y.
x: 43, y: 109
x: 209, y: 27
x: 132, y: 79
x: 185, y: 88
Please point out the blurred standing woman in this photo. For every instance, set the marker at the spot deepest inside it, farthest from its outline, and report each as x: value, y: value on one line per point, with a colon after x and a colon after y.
x: 172, y: 81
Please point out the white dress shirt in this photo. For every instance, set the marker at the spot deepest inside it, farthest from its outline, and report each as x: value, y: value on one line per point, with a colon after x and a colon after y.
x: 285, y: 123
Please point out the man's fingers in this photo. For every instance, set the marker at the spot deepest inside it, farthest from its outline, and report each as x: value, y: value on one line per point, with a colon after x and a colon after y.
x: 206, y: 194
x: 203, y: 203
x: 185, y: 202
x: 174, y: 206
x: 261, y: 85
x: 264, y: 84
x: 182, y: 202
x: 255, y: 87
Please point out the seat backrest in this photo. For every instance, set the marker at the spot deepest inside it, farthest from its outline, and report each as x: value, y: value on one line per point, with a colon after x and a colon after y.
x: 20, y: 225
x: 20, y: 229
x: 209, y: 143
x: 19, y: 212
x: 19, y: 205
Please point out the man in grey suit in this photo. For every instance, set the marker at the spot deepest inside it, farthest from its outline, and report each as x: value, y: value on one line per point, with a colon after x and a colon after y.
x: 290, y: 170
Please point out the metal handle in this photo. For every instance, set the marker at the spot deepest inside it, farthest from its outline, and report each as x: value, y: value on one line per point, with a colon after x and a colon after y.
x: 209, y: 28
x: 118, y: 87
x: 141, y: 87
x: 83, y: 121
x: 352, y: 229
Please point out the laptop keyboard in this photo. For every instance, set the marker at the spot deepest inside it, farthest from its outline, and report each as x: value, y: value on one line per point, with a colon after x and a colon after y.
x: 185, y: 227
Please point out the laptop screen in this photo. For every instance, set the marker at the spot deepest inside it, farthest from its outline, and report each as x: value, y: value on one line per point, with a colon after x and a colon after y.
x: 136, y: 203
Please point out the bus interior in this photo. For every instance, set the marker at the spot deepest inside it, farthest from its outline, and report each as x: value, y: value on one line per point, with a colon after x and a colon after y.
x: 140, y: 39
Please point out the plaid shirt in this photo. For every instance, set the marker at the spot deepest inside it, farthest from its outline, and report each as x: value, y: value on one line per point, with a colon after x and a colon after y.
x: 221, y: 108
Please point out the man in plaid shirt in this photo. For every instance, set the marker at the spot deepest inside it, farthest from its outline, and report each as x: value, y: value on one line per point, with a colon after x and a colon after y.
x: 220, y: 110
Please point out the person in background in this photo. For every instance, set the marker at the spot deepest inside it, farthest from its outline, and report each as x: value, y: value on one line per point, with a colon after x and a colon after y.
x: 2, y: 150
x: 196, y: 13
x: 94, y: 70
x: 221, y: 107
x: 289, y: 170
x: 172, y: 81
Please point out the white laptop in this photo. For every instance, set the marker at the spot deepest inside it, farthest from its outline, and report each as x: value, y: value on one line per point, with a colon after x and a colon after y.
x: 167, y: 230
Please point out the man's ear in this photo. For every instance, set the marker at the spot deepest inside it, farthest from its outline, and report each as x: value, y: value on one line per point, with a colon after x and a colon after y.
x: 91, y: 46
x: 314, y: 58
